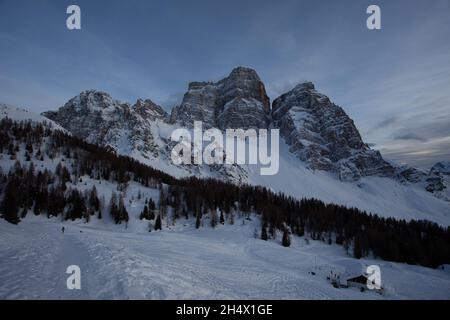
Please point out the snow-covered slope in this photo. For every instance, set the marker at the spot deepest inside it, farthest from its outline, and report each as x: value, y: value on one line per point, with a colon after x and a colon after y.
x: 20, y: 114
x: 322, y: 154
x: 186, y: 263
x: 381, y: 195
x: 128, y: 261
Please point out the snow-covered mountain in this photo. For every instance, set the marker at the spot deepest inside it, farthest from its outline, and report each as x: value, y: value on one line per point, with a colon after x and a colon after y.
x: 237, y: 101
x: 322, y: 154
x: 438, y: 180
x: 141, y: 131
x: 321, y: 134
x: 99, y: 119
x: 65, y: 182
x: 317, y: 131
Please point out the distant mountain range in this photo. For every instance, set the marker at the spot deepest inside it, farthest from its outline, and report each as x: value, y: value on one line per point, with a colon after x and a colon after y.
x: 322, y: 154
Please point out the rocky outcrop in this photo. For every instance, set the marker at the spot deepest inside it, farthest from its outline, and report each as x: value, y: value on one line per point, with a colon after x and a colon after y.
x: 141, y: 130
x: 237, y: 101
x: 441, y: 168
x: 410, y: 174
x: 317, y: 131
x: 323, y: 135
x: 99, y: 119
x: 439, y: 178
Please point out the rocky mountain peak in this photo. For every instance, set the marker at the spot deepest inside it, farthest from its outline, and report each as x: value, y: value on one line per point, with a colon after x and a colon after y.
x: 438, y: 180
x: 98, y: 118
x: 237, y: 101
x: 244, y: 82
x: 241, y: 73
x: 441, y: 168
x: 316, y: 130
x: 307, y: 85
x: 148, y: 109
x: 92, y: 99
x: 324, y: 136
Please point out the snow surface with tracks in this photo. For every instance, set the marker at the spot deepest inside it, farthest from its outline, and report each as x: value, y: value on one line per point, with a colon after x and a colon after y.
x: 185, y: 263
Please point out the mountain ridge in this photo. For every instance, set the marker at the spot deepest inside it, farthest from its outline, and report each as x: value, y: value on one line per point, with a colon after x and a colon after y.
x: 318, y: 131
x: 142, y: 131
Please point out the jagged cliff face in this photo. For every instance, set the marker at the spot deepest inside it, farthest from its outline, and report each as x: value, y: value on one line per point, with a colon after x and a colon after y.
x: 238, y: 101
x: 141, y: 130
x: 438, y: 180
x: 321, y: 134
x: 97, y: 118
x: 317, y: 131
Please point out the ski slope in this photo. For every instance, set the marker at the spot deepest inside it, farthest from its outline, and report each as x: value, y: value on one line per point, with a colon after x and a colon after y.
x: 185, y: 263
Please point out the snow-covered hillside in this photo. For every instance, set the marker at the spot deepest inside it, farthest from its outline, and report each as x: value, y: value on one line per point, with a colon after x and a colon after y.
x: 186, y: 263
x: 20, y: 114
x: 381, y: 195
x: 120, y: 258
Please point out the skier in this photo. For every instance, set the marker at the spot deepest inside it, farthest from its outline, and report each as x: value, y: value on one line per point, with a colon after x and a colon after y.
x: 63, y: 229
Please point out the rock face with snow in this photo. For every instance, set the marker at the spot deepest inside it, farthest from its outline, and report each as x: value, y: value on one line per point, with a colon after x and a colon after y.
x: 439, y: 179
x: 98, y: 118
x: 141, y: 130
x: 316, y: 130
x: 441, y: 168
x: 237, y: 101
x: 410, y: 174
x: 323, y: 135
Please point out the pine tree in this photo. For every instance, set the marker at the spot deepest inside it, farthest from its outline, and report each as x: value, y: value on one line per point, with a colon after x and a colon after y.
x: 145, y: 214
x: 24, y: 212
x: 77, y: 208
x: 222, y: 219
x: 122, y: 211
x: 264, y: 232
x: 286, y: 242
x: 9, y: 207
x: 158, y: 223
x: 197, y: 220
x: 94, y: 202
x: 113, y: 209
x: 357, y: 248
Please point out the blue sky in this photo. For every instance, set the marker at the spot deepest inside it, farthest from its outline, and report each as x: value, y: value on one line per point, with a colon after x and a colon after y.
x: 395, y: 82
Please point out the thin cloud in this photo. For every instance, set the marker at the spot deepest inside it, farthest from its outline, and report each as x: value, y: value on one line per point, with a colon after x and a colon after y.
x: 409, y: 136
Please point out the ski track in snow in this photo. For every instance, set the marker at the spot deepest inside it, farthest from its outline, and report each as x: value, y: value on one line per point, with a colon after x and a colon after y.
x: 185, y: 263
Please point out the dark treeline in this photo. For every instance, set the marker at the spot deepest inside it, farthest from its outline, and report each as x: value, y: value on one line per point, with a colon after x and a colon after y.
x: 92, y: 160
x: 25, y: 188
x: 414, y: 242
